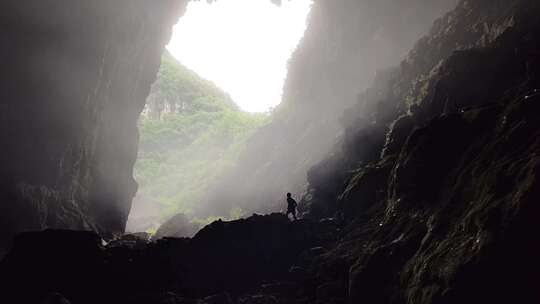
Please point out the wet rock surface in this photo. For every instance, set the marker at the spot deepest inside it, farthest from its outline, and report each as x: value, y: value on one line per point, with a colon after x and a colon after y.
x: 443, y: 215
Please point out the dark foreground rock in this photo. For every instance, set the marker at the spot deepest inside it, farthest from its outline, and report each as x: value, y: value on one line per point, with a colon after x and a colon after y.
x: 235, y: 257
x: 55, y: 298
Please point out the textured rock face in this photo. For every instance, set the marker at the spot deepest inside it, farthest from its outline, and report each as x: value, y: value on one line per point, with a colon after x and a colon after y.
x: 346, y: 43
x: 442, y: 213
x: 74, y: 79
x: 435, y: 194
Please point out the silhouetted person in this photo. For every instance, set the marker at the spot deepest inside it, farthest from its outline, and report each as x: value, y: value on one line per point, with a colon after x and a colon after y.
x: 291, y: 206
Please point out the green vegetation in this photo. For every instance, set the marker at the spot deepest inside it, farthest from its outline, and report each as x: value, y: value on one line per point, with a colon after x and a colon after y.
x: 190, y: 133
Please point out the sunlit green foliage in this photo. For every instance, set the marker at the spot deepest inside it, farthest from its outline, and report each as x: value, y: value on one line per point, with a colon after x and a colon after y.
x: 184, y: 148
x: 180, y: 90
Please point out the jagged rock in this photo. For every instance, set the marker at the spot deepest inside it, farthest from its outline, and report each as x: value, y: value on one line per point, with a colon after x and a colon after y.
x: 257, y: 249
x: 452, y: 225
x: 367, y: 187
x: 234, y: 257
x: 397, y: 135
x: 442, y: 217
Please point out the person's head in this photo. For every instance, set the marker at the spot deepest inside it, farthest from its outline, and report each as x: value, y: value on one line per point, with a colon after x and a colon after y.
x: 288, y: 194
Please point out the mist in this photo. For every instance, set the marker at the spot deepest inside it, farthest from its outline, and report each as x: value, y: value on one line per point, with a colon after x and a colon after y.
x: 400, y: 165
x: 327, y: 75
x: 346, y: 45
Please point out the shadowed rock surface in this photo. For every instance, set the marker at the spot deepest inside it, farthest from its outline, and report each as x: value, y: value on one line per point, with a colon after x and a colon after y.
x: 439, y: 209
x: 75, y: 76
x: 235, y: 257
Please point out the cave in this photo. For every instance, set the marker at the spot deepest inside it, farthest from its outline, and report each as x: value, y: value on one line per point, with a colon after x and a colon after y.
x: 219, y: 82
x: 408, y: 133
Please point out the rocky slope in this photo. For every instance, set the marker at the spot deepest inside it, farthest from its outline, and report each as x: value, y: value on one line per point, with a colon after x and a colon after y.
x: 75, y: 76
x: 239, y: 258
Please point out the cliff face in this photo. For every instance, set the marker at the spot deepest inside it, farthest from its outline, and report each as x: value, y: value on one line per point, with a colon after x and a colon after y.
x: 437, y: 188
x: 346, y: 42
x: 379, y: 123
x: 74, y: 78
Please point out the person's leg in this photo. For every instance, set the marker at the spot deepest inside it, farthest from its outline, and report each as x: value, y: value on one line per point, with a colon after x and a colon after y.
x: 294, y: 214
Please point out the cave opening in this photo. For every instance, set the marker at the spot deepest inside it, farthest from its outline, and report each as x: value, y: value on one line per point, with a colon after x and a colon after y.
x: 220, y: 80
x: 408, y: 132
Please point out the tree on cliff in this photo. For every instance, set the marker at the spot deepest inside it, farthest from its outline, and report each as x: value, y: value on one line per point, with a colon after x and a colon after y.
x: 180, y: 90
x: 190, y: 132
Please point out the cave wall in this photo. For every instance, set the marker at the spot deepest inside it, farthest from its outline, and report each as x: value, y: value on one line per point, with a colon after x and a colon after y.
x: 440, y: 188
x: 439, y: 201
x: 345, y: 44
x: 75, y: 76
x: 379, y: 122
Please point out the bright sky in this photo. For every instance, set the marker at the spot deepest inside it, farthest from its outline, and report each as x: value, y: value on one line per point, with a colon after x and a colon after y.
x: 242, y: 46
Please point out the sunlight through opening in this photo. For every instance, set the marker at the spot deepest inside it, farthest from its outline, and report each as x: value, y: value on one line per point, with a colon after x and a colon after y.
x: 223, y: 71
x: 242, y: 46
